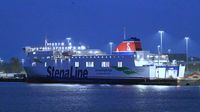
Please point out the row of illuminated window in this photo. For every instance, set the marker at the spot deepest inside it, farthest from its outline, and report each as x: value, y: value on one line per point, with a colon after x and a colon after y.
x: 92, y: 64
x: 55, y: 44
x: 88, y: 64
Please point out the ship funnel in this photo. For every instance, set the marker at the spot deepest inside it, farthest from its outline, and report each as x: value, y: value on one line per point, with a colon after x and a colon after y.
x: 129, y: 46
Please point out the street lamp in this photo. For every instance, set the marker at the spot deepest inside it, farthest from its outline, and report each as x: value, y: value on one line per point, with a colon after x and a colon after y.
x: 1, y: 61
x: 169, y: 51
x: 111, y: 47
x: 124, y: 33
x: 22, y: 60
x: 161, y: 39
x: 186, y: 43
x: 158, y: 47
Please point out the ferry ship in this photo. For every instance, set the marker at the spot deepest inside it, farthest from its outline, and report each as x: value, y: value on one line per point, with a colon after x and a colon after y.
x: 128, y: 62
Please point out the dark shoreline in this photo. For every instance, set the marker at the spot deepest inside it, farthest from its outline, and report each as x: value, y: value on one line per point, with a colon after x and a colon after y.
x: 12, y: 80
x: 109, y: 81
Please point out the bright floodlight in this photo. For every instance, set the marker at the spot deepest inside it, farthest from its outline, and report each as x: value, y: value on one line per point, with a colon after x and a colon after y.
x: 83, y: 47
x: 68, y: 38
x: 169, y: 51
x: 22, y: 60
x: 161, y: 40
x: 110, y: 43
x: 187, y: 38
x: 74, y: 48
x: 186, y: 42
x: 160, y: 31
x: 1, y: 61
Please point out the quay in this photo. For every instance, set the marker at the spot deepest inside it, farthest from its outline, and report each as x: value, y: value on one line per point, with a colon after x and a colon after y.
x: 169, y: 82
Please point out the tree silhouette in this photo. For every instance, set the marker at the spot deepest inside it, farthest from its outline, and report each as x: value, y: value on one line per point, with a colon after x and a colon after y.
x: 13, y: 66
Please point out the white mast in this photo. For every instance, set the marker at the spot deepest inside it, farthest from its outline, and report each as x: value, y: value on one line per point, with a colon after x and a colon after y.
x: 124, y: 33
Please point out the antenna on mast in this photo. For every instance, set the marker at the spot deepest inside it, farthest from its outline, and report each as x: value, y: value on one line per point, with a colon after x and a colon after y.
x: 124, y: 29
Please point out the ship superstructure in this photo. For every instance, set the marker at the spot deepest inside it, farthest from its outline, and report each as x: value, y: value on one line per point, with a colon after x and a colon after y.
x: 61, y: 61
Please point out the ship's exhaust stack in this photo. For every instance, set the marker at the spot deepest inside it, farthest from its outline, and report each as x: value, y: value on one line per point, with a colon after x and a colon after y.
x: 128, y: 46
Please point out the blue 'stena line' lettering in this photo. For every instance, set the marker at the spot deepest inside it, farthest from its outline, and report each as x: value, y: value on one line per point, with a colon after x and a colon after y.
x: 67, y: 73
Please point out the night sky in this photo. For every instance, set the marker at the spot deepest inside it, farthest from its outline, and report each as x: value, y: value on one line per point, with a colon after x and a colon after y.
x: 97, y: 22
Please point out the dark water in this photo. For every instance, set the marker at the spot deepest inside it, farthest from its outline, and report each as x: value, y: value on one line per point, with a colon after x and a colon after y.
x: 23, y: 97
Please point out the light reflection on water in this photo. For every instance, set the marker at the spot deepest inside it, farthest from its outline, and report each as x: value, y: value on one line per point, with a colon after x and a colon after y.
x: 160, y: 87
x: 23, y: 97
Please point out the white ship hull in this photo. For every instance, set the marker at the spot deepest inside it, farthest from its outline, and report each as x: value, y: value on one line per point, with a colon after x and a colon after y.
x: 65, y: 70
